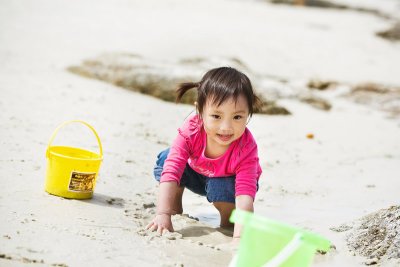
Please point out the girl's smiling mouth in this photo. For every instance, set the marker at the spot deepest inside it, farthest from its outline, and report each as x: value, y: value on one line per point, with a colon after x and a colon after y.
x: 225, y: 137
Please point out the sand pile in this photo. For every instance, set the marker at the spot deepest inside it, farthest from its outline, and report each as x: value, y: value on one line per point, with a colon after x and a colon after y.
x: 377, y: 235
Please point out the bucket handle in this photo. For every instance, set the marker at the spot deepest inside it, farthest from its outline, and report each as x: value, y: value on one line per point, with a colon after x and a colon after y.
x: 69, y: 122
x: 282, y: 256
x: 286, y: 252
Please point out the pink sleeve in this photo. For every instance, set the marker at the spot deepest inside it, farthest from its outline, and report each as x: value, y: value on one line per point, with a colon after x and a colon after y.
x: 248, y: 171
x: 180, y: 151
x: 176, y: 161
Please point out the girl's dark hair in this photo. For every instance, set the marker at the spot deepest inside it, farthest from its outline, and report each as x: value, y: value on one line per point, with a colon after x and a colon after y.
x: 220, y: 84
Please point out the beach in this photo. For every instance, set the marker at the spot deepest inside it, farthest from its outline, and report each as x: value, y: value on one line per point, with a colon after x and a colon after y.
x: 322, y: 167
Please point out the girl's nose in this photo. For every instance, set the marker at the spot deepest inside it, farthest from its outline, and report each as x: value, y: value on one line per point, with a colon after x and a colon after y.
x: 226, y: 126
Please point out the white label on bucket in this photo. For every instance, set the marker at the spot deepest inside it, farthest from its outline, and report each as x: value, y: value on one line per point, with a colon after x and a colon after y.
x: 81, y: 182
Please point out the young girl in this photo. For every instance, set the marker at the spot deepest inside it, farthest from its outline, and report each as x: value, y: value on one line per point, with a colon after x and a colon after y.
x: 214, y: 154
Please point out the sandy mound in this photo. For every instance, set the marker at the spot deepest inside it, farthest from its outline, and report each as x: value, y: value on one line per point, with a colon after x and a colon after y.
x: 376, y: 236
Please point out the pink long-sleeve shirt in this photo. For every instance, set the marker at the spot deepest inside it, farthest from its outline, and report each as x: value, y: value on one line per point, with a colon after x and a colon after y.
x: 240, y: 159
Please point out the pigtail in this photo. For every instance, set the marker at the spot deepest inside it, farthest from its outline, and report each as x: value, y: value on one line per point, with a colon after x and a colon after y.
x: 257, y: 104
x: 183, y: 88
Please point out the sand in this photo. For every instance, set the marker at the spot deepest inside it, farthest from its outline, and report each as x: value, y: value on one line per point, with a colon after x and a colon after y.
x: 349, y: 169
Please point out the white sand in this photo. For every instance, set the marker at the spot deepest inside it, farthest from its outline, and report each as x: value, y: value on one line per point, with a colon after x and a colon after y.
x: 350, y: 168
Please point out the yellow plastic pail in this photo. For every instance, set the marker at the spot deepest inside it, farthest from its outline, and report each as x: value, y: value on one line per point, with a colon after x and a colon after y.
x: 72, y: 172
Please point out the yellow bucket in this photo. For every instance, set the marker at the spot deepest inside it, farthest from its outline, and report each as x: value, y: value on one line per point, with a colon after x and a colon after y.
x: 72, y: 172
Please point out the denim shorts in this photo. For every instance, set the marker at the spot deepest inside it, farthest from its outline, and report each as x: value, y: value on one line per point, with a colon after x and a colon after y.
x: 216, y: 189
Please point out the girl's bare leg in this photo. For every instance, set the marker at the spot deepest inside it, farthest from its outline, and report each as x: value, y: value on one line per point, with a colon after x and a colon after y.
x: 225, y: 210
x: 177, y: 206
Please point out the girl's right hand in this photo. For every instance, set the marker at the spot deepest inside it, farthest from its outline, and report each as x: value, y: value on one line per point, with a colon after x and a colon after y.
x: 161, y: 223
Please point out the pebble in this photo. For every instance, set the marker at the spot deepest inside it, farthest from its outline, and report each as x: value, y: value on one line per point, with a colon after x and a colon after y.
x: 149, y: 205
x: 173, y: 236
x: 371, y: 261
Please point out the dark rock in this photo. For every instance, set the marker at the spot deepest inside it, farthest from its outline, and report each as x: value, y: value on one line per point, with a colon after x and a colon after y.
x: 271, y: 108
x: 316, y: 102
x: 381, y: 97
x: 160, y: 79
x: 311, y: 3
x: 321, y: 85
x: 392, y: 34
x: 149, y: 205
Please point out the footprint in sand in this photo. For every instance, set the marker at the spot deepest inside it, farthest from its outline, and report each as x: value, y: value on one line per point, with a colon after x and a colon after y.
x: 116, y: 201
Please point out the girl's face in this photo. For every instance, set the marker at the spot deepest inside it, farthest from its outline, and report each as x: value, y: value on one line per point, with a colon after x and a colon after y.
x: 225, y: 123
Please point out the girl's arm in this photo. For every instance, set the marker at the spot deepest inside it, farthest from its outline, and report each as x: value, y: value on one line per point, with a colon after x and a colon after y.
x: 243, y: 202
x: 162, y: 221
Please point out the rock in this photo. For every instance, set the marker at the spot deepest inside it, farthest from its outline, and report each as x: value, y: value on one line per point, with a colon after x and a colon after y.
x: 371, y: 88
x: 149, y: 205
x: 372, y: 261
x: 315, y: 101
x: 382, y: 97
x: 160, y: 79
x: 333, y: 5
x: 392, y: 34
x: 311, y: 3
x: 271, y: 108
x: 341, y: 228
x: 173, y: 235
x: 320, y: 85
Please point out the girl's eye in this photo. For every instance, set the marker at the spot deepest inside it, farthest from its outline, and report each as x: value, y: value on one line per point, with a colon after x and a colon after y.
x: 237, y: 117
x: 215, y: 116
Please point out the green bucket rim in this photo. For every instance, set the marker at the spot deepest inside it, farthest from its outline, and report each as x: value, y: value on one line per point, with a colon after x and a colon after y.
x: 250, y: 219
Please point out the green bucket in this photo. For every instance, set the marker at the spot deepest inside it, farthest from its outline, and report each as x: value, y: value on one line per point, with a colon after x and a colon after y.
x: 267, y: 243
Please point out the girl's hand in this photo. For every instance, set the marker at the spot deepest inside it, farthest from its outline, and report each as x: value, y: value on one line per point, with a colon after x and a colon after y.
x: 161, y: 223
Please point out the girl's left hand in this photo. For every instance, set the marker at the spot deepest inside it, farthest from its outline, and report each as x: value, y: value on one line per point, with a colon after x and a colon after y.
x: 161, y: 223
